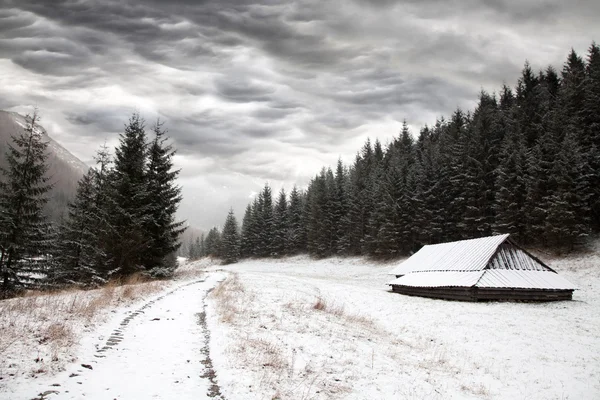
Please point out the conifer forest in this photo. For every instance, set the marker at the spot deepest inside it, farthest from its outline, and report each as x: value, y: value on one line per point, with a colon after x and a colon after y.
x: 121, y: 221
x: 525, y: 161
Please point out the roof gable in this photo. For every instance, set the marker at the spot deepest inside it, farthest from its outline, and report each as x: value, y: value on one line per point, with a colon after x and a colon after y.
x: 510, y: 256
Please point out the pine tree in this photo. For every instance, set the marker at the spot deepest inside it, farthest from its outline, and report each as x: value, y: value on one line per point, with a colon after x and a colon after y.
x: 212, y: 243
x: 230, y: 240
x: 129, y: 199
x: 591, y: 123
x: 192, y: 252
x: 567, y: 210
x: 528, y: 113
x: 296, y: 240
x: 353, y: 224
x: 281, y: 228
x: 164, y: 196
x: 79, y: 254
x: 200, y: 246
x: 319, y: 226
x: 511, y: 187
x: 104, y: 204
x: 339, y: 206
x: 266, y: 227
x: 23, y: 194
x: 453, y: 152
x: 246, y: 240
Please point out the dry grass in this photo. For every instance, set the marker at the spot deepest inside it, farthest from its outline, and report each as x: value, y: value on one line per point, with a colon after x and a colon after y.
x: 45, y: 326
x: 229, y: 299
x: 259, y: 342
x: 331, y: 308
x: 478, y: 390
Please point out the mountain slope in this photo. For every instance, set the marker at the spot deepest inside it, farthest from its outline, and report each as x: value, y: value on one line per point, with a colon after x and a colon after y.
x: 65, y: 169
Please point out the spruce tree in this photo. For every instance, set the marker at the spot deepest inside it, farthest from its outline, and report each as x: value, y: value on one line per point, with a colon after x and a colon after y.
x: 200, y: 246
x: 161, y: 230
x: 296, y: 240
x: 23, y: 193
x: 79, y: 249
x: 339, y: 206
x: 246, y: 240
x: 591, y: 126
x: 192, y: 250
x: 266, y: 227
x: 129, y: 199
x: 212, y: 243
x: 567, y: 207
x: 230, y: 240
x: 511, y: 188
x: 280, y: 231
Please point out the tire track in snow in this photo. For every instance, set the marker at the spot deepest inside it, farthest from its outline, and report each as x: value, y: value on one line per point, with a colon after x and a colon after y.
x: 214, y: 390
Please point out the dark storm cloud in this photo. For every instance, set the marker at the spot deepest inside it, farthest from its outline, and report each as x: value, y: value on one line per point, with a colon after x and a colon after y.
x: 242, y: 90
x: 255, y: 90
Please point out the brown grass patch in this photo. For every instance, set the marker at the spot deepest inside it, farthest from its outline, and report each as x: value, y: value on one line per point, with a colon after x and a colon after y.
x: 328, y: 307
x: 229, y: 298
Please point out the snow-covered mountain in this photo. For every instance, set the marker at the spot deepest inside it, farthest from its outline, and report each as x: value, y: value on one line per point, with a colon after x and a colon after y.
x: 65, y: 169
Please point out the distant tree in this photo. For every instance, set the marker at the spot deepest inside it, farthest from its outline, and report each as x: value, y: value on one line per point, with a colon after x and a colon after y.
x: 246, y: 239
x: 265, y: 228
x: 280, y: 222
x: 212, y: 243
x: 23, y: 194
x: 296, y: 239
x: 339, y: 207
x: 195, y: 250
x: 230, y: 240
x: 200, y: 246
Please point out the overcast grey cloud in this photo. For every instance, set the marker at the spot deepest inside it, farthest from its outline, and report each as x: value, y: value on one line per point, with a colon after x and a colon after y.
x: 268, y: 90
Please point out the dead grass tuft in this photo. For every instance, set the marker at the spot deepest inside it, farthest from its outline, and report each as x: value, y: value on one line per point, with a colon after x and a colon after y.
x: 331, y: 308
x: 229, y: 302
x: 479, y: 390
x: 320, y: 304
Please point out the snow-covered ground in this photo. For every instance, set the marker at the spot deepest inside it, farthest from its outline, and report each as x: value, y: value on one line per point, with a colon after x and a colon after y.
x: 298, y: 328
x: 303, y: 329
x: 157, y: 353
x: 145, y: 327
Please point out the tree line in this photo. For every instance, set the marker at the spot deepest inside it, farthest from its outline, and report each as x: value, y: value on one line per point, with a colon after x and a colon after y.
x: 121, y: 221
x: 525, y: 161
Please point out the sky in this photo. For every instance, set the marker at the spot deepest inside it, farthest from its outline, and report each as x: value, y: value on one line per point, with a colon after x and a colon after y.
x: 268, y: 90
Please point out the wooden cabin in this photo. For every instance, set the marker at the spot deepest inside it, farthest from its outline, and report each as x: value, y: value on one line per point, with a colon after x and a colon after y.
x: 489, y: 268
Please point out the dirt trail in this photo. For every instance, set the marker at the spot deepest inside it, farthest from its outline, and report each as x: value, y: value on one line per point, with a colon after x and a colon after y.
x: 160, y: 350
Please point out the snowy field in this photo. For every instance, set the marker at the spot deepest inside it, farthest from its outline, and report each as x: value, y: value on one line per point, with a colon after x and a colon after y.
x: 305, y: 329
x: 298, y: 328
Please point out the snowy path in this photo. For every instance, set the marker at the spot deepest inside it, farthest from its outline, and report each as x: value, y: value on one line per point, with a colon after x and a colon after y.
x: 157, y: 352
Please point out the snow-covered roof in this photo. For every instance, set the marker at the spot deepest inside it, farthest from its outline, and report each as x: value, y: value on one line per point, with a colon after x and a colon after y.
x: 487, y: 262
x: 464, y: 255
x: 501, y: 278
x: 439, y: 279
x: 489, y: 278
